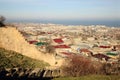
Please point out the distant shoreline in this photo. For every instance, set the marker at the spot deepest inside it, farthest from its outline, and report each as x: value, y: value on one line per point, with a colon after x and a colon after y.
x: 69, y: 22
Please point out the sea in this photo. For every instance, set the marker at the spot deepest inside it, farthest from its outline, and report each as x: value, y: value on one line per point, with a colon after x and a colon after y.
x: 109, y: 23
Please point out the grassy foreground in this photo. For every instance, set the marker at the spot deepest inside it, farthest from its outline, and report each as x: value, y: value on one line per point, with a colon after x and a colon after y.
x: 11, y: 59
x: 91, y: 77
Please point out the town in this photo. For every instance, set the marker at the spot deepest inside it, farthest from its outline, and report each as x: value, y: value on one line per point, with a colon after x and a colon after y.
x: 48, y: 51
x: 100, y: 42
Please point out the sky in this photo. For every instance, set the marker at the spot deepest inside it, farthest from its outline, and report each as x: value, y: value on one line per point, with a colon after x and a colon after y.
x: 61, y: 10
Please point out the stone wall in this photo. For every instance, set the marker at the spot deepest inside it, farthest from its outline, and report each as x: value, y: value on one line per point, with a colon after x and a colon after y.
x: 12, y: 39
x: 17, y: 73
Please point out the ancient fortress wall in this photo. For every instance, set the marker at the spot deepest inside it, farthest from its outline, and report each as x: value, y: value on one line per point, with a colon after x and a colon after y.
x: 12, y: 39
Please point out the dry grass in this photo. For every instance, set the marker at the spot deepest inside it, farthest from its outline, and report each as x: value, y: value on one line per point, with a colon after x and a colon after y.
x: 91, y: 77
x: 11, y: 59
x: 80, y: 66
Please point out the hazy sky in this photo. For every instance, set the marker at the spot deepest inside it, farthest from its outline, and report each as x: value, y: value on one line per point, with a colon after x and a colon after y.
x: 61, y: 9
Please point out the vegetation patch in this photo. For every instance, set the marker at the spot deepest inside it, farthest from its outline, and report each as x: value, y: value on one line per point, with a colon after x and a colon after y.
x: 91, y: 77
x: 11, y: 59
x: 80, y: 66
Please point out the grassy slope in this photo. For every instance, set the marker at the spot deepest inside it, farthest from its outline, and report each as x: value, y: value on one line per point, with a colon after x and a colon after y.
x: 10, y: 59
x: 91, y: 77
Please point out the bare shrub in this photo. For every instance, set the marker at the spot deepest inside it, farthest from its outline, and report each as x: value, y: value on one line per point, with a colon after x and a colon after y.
x: 79, y: 66
x: 50, y: 48
x: 2, y: 19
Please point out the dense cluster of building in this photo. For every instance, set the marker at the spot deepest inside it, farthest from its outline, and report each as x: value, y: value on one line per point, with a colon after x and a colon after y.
x: 96, y: 41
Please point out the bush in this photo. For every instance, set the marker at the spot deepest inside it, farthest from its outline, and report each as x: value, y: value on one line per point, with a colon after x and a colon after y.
x: 2, y: 19
x: 91, y: 77
x: 79, y: 66
x: 50, y: 49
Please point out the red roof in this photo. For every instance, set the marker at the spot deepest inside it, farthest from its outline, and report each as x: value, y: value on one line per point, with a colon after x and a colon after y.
x: 105, y: 46
x: 61, y: 46
x: 32, y: 42
x: 84, y: 50
x: 100, y: 56
x: 49, y: 32
x: 58, y: 40
x: 66, y: 53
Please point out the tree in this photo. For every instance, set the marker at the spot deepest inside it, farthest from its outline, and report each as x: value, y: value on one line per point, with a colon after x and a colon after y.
x: 2, y: 19
x: 118, y: 36
x: 50, y: 48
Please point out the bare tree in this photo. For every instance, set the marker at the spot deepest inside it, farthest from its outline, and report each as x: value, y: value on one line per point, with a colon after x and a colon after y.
x: 2, y: 19
x: 80, y: 65
x: 50, y: 48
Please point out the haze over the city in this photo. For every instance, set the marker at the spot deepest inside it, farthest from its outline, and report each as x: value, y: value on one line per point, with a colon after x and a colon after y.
x: 73, y: 12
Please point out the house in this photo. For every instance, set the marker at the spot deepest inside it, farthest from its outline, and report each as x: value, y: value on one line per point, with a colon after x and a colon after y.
x: 102, y: 46
x: 101, y: 56
x: 75, y: 48
x: 113, y: 54
x: 77, y: 40
x: 85, y: 52
x: 67, y: 40
x: 65, y: 54
x: 90, y: 38
x: 63, y: 47
x: 43, y: 38
x: 58, y: 40
x: 33, y: 42
x: 31, y: 38
x: 117, y: 47
x: 41, y: 43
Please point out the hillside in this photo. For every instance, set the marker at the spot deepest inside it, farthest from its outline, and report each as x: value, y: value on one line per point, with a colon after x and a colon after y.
x: 12, y: 39
x: 11, y: 59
